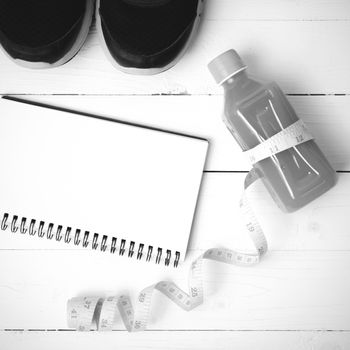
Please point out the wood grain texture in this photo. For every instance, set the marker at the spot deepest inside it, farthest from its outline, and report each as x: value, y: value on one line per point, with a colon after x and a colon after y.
x: 177, y: 340
x: 277, y: 10
x: 298, y: 297
x: 291, y: 290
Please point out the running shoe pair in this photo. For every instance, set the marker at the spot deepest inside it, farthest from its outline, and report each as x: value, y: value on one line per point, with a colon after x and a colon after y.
x: 139, y: 36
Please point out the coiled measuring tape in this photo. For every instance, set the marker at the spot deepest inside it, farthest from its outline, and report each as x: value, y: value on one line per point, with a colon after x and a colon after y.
x: 84, y: 312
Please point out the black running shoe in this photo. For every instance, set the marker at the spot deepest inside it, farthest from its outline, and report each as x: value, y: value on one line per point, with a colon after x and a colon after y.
x: 147, y: 36
x: 44, y: 33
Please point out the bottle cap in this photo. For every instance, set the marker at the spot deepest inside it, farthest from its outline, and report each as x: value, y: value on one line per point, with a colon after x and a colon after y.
x: 225, y: 66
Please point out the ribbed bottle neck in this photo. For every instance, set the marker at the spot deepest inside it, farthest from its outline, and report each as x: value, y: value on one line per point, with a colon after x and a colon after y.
x: 236, y: 80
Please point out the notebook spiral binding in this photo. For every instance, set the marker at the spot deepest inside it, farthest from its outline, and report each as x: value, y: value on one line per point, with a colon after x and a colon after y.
x: 20, y: 224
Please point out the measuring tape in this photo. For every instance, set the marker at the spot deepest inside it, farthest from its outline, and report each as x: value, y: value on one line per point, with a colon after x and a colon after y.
x: 84, y: 312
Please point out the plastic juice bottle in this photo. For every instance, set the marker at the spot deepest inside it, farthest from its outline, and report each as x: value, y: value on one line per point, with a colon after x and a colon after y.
x: 254, y: 112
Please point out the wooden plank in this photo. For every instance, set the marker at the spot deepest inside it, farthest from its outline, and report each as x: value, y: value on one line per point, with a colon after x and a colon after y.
x: 286, y: 291
x: 322, y: 225
x: 176, y: 340
x: 311, y: 10
x: 299, y: 60
x: 326, y: 116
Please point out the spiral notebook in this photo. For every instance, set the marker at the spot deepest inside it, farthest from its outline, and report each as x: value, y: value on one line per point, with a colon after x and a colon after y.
x: 98, y: 183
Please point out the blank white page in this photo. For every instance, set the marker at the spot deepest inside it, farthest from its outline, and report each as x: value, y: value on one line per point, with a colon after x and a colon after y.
x: 101, y: 176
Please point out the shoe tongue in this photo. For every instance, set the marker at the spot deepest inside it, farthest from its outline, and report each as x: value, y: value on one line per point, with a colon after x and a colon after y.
x: 147, y: 3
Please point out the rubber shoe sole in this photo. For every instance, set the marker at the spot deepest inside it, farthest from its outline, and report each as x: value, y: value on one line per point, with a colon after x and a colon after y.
x: 148, y: 71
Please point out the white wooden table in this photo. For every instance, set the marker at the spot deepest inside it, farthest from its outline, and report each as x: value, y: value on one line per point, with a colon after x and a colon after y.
x: 298, y: 297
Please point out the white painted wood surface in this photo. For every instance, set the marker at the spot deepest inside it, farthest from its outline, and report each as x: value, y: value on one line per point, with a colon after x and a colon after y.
x: 298, y: 297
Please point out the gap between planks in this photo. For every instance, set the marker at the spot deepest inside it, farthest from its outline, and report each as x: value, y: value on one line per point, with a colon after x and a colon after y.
x: 161, y: 94
x: 185, y: 330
